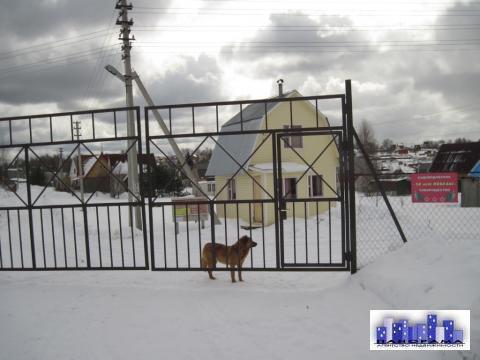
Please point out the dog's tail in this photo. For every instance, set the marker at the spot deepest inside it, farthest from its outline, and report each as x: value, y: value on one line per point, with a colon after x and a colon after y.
x: 204, y: 264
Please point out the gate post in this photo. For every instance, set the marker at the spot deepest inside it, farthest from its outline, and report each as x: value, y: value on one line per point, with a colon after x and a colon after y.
x: 351, y: 178
x: 29, y: 199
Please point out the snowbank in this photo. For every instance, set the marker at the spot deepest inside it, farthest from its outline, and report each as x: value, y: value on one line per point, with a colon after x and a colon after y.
x: 121, y: 315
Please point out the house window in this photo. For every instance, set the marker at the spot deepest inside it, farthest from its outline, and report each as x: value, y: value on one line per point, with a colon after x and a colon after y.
x: 293, y: 141
x: 315, y: 185
x: 290, y: 187
x: 232, y: 190
x: 211, y: 187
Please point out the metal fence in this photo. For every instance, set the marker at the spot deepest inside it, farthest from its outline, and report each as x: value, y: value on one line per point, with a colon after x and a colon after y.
x: 377, y: 233
x: 45, y: 229
x: 255, y: 166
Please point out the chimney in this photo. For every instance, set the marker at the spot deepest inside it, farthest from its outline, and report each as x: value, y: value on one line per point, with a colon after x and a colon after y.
x: 280, y: 87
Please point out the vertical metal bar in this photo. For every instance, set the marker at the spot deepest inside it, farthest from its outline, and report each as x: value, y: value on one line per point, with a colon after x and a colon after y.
x: 29, y: 201
x: 188, y: 236
x: 250, y: 228
x: 344, y: 188
x: 43, y: 239
x: 87, y: 235
x: 294, y: 233
x: 98, y: 238
x: 133, y: 237
x: 199, y: 234
x: 278, y: 194
x: 266, y: 115
x: 291, y: 114
x: 74, y: 237
x: 71, y: 128
x: 216, y: 117
x: 263, y: 238
x: 110, y: 236
x: 170, y: 119
x: 225, y: 221
x: 176, y: 237
x: 121, y: 235
x: 51, y: 129
x: 1, y: 257
x: 150, y: 203
x: 351, y: 178
x: 238, y: 222
x: 93, y: 126
x: 318, y: 234
x: 10, y: 131
x: 30, y: 129
x: 330, y: 230
x: 164, y: 237
x: 316, y: 112
x: 212, y: 230
x: 142, y: 189
x: 20, y: 237
x: 53, y: 239
x: 306, y: 235
x: 115, y: 123
x: 64, y: 241
x: 241, y: 118
x: 193, y: 118
x: 10, y: 238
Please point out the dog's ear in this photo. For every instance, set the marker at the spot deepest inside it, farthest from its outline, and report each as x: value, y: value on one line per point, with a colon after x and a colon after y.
x: 244, y: 239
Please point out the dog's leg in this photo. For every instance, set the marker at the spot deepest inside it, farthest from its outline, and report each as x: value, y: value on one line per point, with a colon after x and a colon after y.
x: 240, y: 272
x: 210, y: 275
x: 232, y: 273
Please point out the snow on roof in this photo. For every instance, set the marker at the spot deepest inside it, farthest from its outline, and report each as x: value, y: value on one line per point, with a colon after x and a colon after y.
x: 239, y: 147
x: 87, y: 165
x: 287, y: 167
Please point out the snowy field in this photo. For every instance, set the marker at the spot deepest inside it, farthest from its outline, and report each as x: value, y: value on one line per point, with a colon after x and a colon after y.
x: 143, y: 314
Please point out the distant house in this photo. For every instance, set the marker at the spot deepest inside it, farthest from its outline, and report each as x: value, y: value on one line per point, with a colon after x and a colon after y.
x: 459, y: 158
x: 245, y: 148
x: 104, y: 172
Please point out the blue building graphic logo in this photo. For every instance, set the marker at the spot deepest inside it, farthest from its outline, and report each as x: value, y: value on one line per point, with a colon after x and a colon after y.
x: 433, y: 332
x: 430, y: 332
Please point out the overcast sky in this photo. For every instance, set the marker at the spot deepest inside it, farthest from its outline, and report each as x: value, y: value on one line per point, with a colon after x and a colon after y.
x: 414, y: 65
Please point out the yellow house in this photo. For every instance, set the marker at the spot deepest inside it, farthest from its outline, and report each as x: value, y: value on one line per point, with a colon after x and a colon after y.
x: 309, y: 163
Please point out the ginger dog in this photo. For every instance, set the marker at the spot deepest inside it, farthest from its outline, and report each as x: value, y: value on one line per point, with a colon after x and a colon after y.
x: 232, y: 256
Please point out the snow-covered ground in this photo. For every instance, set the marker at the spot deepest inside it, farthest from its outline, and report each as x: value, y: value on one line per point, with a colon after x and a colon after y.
x: 143, y: 314
x: 124, y: 315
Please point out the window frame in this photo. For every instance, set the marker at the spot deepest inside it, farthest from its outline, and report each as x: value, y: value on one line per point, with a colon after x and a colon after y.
x: 311, y: 187
x: 294, y: 181
x: 289, y: 140
x: 231, y: 189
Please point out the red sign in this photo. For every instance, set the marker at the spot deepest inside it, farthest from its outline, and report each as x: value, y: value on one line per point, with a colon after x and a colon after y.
x: 434, y: 187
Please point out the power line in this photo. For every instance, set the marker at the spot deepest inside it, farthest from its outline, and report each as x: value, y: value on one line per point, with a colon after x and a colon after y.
x: 93, y: 79
x: 323, y: 14
x: 42, y: 45
x: 20, y: 68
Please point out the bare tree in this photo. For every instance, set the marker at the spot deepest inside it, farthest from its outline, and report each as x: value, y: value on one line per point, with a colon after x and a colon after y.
x: 367, y: 137
x: 387, y: 144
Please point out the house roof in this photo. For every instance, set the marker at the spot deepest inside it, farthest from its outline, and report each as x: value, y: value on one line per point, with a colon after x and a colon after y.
x: 458, y: 158
x: 241, y: 146
x: 475, y: 170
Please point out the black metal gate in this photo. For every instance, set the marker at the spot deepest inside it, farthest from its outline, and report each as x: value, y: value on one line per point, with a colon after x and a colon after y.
x: 46, y: 222
x: 279, y: 172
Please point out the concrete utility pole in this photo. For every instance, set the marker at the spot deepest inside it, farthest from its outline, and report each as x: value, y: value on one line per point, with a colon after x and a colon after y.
x: 133, y: 186
x: 77, y: 129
